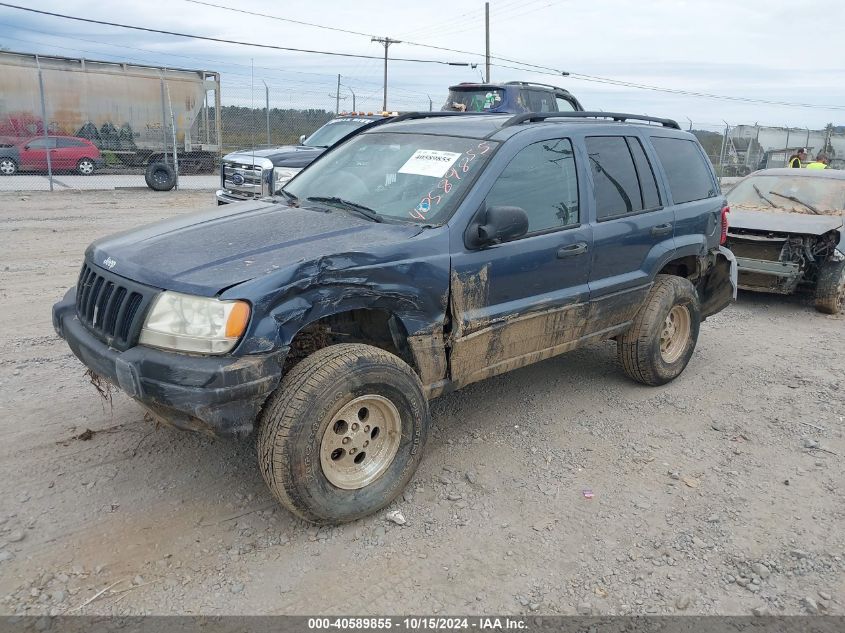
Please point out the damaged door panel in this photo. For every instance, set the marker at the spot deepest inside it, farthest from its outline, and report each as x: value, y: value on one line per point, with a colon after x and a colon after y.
x: 515, y: 303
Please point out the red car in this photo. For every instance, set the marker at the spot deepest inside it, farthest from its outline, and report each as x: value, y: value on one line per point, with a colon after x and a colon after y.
x: 67, y: 153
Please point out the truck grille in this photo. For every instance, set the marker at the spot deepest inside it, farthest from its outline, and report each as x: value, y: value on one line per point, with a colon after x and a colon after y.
x: 242, y: 180
x: 110, y: 307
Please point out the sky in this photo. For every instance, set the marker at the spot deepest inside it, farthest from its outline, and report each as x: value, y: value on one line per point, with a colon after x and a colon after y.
x: 771, y: 50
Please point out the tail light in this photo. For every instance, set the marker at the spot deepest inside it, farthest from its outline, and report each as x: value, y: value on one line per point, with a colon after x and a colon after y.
x: 724, y: 237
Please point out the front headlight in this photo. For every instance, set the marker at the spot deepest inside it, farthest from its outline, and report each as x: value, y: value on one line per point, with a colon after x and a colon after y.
x: 281, y: 175
x: 194, y: 324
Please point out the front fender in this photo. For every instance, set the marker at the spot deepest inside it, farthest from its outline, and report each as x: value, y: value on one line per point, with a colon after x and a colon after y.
x: 414, y: 290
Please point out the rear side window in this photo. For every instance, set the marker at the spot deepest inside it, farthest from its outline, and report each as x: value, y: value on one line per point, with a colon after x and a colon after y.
x: 69, y: 142
x: 648, y: 185
x: 541, y: 101
x: 614, y: 176
x: 688, y: 174
x: 564, y: 105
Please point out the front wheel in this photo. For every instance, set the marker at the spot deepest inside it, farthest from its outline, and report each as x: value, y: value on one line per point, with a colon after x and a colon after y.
x: 343, y: 434
x: 830, y: 288
x: 661, y: 340
x: 8, y: 167
x: 85, y: 167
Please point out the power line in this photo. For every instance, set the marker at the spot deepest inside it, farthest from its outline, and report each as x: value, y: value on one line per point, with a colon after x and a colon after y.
x: 547, y: 70
x: 215, y: 61
x: 692, y: 93
x: 281, y: 19
x: 222, y: 40
x: 331, y: 28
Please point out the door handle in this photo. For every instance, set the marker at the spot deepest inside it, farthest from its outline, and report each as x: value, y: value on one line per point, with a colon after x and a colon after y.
x: 579, y: 248
x: 662, y: 229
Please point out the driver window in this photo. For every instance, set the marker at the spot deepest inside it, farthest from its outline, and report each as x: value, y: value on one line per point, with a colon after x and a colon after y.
x: 42, y: 143
x: 541, y: 179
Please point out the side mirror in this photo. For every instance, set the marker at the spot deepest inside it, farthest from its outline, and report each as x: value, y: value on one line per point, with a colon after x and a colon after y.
x: 302, y: 139
x: 499, y: 224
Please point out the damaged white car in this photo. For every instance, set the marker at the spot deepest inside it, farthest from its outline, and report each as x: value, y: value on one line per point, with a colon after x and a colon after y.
x: 786, y: 231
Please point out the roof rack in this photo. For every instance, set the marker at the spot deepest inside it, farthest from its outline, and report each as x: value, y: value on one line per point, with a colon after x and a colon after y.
x: 534, y: 83
x: 432, y: 115
x: 532, y: 117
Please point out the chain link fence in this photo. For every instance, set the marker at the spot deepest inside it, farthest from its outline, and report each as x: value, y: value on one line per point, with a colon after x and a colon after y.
x: 74, y: 123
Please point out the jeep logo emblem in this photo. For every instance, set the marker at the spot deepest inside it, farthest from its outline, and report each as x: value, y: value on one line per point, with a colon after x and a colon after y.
x: 237, y: 179
x: 109, y: 263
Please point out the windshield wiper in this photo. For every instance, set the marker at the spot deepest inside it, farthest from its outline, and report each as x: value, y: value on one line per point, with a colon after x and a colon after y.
x: 291, y: 198
x: 360, y: 209
x: 794, y: 199
x: 762, y: 197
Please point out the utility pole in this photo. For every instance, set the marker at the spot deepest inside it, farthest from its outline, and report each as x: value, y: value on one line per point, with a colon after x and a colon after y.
x: 386, y: 42
x: 487, y: 42
x: 267, y: 105
x: 337, y: 96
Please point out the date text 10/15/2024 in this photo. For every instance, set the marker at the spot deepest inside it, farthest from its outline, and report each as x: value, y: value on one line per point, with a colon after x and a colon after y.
x: 422, y: 623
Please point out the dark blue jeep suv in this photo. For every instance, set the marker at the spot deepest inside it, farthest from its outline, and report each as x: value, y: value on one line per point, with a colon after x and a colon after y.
x: 414, y: 258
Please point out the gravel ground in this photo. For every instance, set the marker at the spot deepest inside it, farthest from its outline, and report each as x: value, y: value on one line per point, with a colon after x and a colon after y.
x: 720, y: 493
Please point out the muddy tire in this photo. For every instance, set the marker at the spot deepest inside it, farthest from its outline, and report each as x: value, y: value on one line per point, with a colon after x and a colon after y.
x: 343, y: 434
x: 160, y: 177
x: 830, y: 288
x: 660, y: 342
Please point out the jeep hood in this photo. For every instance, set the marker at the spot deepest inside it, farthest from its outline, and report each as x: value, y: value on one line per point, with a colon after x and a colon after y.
x: 206, y: 252
x: 783, y: 222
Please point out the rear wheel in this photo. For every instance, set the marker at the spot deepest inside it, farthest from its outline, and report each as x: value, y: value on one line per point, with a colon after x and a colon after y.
x: 8, y: 167
x: 830, y: 288
x: 85, y: 167
x: 661, y: 340
x: 343, y: 434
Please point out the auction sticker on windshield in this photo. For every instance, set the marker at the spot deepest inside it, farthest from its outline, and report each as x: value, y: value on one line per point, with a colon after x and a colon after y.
x: 429, y: 162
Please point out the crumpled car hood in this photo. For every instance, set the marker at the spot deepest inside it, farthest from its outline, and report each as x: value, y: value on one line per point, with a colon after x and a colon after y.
x: 783, y: 222
x: 206, y: 252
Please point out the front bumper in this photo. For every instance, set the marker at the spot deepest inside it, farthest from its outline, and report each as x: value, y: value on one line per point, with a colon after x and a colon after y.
x: 225, y: 197
x: 221, y: 395
x: 763, y: 275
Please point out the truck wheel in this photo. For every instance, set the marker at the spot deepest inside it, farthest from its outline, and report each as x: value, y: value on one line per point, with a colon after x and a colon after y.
x: 830, y: 288
x: 658, y: 345
x: 343, y: 434
x: 8, y: 167
x: 160, y: 177
x: 85, y: 167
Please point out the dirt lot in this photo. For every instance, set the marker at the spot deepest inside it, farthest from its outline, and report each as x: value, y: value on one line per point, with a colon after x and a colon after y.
x: 720, y: 493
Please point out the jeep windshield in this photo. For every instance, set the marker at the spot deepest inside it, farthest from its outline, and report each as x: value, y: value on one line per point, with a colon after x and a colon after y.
x: 402, y: 177
x: 474, y: 99
x: 333, y: 131
x: 794, y: 194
